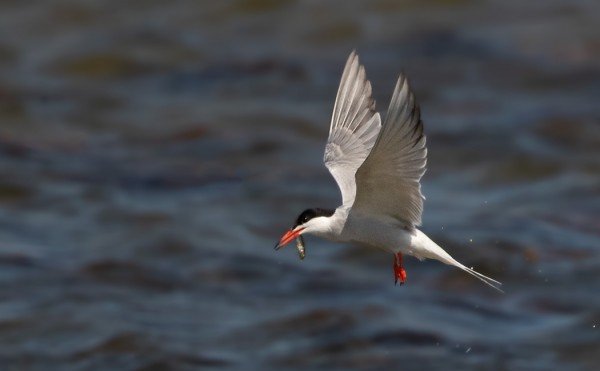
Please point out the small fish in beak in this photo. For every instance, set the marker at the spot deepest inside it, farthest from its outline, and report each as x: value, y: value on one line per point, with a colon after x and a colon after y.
x: 300, y: 247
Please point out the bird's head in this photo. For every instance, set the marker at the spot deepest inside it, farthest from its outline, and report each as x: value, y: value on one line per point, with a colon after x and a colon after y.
x: 309, y: 221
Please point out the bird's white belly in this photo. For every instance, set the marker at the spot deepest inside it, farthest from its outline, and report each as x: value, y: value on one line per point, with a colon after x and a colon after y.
x: 388, y: 235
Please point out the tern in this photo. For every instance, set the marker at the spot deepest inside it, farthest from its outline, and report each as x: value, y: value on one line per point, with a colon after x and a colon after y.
x: 378, y: 168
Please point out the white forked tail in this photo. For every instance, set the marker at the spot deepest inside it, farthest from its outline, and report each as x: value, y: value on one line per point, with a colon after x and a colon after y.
x: 434, y: 251
x: 488, y: 281
x: 446, y: 258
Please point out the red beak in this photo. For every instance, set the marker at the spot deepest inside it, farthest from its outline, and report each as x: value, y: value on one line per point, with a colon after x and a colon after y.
x: 288, y: 237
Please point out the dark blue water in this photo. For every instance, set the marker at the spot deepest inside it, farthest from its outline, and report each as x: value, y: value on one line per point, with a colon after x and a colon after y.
x: 151, y: 154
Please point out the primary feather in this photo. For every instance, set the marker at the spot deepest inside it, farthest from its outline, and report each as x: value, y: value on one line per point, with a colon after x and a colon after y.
x: 388, y: 182
x: 354, y: 128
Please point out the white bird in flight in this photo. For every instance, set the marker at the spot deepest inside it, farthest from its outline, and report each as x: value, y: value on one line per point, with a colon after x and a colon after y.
x: 378, y: 168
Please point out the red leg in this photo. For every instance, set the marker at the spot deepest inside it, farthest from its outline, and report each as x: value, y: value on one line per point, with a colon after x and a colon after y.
x: 399, y: 271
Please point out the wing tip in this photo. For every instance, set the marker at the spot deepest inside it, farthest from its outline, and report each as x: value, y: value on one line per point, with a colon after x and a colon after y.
x: 354, y: 101
x: 405, y: 107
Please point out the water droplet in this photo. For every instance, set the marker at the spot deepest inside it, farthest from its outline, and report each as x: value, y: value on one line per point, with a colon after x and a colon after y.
x: 468, y: 350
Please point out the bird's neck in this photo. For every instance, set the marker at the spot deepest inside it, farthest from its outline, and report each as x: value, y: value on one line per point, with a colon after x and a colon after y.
x: 331, y: 227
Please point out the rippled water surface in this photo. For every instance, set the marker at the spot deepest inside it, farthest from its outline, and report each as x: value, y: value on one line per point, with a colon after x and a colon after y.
x: 152, y: 153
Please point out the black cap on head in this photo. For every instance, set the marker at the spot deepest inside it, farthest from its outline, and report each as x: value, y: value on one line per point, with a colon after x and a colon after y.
x: 308, y: 214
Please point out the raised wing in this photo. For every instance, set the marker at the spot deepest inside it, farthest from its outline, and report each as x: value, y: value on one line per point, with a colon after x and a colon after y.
x: 354, y: 128
x: 388, y: 180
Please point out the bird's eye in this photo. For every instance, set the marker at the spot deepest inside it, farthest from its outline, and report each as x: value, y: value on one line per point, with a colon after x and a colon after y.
x: 306, y: 216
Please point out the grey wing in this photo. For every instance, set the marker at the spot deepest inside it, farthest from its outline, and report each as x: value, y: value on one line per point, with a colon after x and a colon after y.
x: 388, y: 182
x: 354, y: 128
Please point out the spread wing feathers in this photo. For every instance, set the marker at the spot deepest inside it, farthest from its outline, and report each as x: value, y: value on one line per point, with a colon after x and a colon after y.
x: 388, y: 180
x: 354, y: 128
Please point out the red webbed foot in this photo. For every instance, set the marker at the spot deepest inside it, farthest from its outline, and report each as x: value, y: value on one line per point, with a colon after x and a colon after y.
x: 399, y: 272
